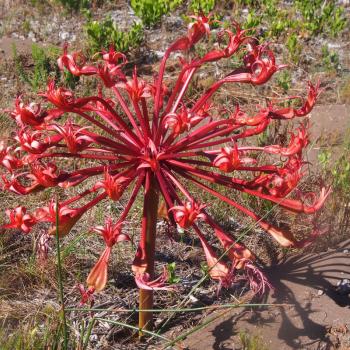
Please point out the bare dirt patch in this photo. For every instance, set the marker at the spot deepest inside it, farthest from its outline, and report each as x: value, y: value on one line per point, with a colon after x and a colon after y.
x: 317, y: 315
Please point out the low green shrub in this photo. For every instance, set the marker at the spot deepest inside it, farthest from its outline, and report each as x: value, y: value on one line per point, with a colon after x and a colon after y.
x: 151, y: 11
x: 106, y: 33
x: 204, y: 6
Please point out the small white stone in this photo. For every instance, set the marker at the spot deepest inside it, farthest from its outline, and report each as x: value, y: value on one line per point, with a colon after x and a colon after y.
x: 31, y: 36
x: 159, y: 54
x: 320, y: 292
x: 180, y: 229
x: 193, y: 299
x: 346, y: 251
x: 64, y: 35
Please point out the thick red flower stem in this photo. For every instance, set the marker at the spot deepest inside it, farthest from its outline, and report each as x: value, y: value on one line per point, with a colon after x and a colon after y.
x: 149, y: 223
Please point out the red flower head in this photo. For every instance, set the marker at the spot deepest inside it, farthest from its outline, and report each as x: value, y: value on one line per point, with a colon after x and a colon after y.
x: 155, y: 140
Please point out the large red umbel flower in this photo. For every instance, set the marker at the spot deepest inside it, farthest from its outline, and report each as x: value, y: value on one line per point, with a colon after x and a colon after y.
x: 154, y: 139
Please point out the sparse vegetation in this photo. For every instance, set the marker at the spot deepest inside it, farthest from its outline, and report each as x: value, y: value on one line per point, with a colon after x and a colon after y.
x: 75, y: 5
x: 44, y: 66
x: 151, y: 11
x: 206, y: 6
x: 330, y: 59
x: 106, y: 33
x: 251, y: 342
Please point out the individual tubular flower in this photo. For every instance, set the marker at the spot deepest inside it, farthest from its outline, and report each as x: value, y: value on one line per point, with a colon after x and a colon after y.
x: 114, y: 58
x: 45, y: 175
x: 282, y: 181
x: 87, y: 295
x: 15, y: 186
x: 67, y: 217
x: 111, y: 234
x: 75, y: 63
x: 217, y: 269
x: 31, y: 115
x: 229, y: 159
x: 34, y: 142
x: 297, y: 143
x: 150, y: 137
x: 143, y: 281
x: 111, y: 71
x: 20, y: 219
x: 62, y: 98
x: 257, y: 280
x: 9, y: 159
x: 306, y: 108
x: 75, y: 138
x: 184, y: 120
x: 114, y: 186
x: 136, y: 87
x: 186, y: 215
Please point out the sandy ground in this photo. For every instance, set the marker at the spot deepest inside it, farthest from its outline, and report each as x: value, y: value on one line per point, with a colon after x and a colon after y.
x: 317, y: 315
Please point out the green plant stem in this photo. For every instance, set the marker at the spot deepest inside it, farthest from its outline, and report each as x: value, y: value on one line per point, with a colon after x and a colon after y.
x: 150, y: 210
x: 89, y: 330
x: 195, y: 309
x: 60, y: 282
x: 132, y: 327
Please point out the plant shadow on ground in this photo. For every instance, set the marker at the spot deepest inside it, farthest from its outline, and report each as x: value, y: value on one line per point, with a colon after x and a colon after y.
x: 307, y: 285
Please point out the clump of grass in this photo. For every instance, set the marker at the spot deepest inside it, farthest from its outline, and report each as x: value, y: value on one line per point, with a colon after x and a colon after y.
x: 44, y: 66
x: 44, y: 331
x: 284, y: 80
x: 251, y: 342
x: 330, y: 59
